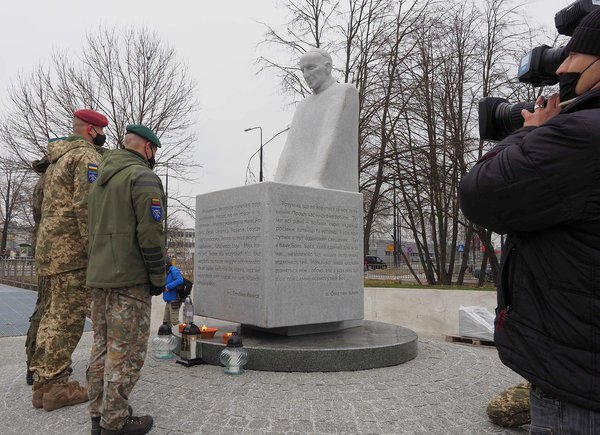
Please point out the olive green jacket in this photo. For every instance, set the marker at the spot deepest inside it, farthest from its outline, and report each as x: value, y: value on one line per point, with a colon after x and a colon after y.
x: 126, y: 212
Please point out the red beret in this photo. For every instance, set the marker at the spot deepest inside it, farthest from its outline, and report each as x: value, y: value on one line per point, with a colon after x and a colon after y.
x: 94, y: 118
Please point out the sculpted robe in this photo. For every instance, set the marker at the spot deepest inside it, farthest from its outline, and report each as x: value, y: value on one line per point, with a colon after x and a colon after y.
x: 321, y: 149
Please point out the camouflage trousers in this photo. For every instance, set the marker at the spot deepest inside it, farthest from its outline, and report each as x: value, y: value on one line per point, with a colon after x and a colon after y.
x: 511, y: 408
x: 36, y: 317
x: 172, y: 313
x: 61, y: 325
x: 121, y: 318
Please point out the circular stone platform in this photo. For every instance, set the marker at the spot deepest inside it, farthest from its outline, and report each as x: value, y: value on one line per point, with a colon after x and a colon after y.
x: 373, y: 345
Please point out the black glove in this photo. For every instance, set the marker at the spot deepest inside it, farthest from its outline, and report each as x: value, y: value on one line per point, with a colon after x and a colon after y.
x: 156, y: 290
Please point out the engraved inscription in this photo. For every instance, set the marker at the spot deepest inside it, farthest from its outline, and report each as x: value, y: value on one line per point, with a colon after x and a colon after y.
x: 316, y: 243
x: 229, y: 244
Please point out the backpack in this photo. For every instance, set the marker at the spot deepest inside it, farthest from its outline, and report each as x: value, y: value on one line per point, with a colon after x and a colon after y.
x: 184, y: 290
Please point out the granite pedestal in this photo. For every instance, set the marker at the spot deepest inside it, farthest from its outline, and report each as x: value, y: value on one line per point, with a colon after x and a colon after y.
x: 284, y: 258
x: 372, y: 345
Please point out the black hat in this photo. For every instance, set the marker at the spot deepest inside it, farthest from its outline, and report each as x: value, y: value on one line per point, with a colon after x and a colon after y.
x: 586, y: 38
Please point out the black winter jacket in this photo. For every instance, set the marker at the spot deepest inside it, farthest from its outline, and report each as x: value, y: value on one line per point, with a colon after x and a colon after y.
x: 541, y: 185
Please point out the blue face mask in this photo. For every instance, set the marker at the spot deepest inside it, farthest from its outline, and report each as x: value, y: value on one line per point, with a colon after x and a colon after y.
x: 568, y: 83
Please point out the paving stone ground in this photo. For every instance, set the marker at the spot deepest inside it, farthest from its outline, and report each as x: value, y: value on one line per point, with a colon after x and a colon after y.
x: 16, y: 305
x: 443, y: 391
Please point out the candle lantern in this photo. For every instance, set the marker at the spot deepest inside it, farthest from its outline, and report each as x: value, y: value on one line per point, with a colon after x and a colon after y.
x: 164, y: 343
x: 206, y: 332
x: 234, y: 357
x: 189, y: 338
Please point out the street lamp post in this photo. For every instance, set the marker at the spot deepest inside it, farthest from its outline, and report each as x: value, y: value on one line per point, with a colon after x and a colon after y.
x: 261, y: 148
x: 260, y: 174
x: 394, y: 208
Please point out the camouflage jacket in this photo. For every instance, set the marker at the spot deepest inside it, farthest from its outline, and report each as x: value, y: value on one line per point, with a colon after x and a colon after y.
x: 126, y: 213
x: 63, y: 235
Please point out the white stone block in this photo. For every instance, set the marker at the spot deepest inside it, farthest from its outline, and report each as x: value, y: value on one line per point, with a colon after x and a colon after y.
x: 273, y: 255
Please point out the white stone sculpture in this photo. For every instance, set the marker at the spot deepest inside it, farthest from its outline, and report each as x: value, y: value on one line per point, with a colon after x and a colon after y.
x: 322, y: 146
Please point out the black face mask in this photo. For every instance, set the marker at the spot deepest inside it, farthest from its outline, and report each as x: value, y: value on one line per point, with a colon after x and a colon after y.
x: 151, y: 161
x: 568, y: 83
x: 99, y: 139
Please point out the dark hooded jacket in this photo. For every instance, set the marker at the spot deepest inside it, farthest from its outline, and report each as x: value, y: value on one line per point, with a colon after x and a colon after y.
x: 541, y: 186
x: 126, y: 212
x: 39, y: 166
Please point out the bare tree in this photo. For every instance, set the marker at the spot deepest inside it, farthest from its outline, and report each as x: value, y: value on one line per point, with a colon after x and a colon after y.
x: 386, y: 114
x: 133, y: 77
x: 15, y: 202
x: 310, y: 25
x: 505, y: 38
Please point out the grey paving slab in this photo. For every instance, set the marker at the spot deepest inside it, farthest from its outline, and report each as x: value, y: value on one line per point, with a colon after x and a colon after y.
x: 16, y: 305
x: 443, y: 391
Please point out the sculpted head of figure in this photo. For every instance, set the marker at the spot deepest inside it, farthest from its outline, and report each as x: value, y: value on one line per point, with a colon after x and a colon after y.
x: 316, y: 65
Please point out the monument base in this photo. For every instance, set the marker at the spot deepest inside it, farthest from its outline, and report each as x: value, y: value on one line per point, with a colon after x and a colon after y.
x: 372, y: 345
x: 274, y: 255
x: 315, y: 328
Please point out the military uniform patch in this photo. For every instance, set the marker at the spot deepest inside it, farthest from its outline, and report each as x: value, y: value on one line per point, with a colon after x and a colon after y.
x: 156, y: 209
x: 92, y: 172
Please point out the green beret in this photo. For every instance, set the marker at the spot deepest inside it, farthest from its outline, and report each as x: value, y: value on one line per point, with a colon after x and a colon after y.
x: 143, y: 131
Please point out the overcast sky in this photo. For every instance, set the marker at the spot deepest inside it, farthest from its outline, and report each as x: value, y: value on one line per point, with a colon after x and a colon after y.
x: 217, y: 39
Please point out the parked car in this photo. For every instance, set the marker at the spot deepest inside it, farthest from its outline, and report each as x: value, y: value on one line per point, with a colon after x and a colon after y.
x: 373, y: 262
x: 489, y: 274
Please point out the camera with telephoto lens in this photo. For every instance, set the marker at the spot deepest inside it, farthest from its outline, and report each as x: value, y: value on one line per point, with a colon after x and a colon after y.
x: 497, y: 117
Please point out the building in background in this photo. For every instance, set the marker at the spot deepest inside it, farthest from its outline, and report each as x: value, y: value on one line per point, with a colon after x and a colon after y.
x: 181, y: 244
x: 18, y: 241
x: 384, y: 249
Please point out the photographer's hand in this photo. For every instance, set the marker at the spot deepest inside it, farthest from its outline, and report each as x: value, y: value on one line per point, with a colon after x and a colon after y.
x: 541, y: 114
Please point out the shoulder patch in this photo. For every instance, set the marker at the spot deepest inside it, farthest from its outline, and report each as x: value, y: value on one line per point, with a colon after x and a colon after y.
x: 92, y: 172
x: 156, y: 209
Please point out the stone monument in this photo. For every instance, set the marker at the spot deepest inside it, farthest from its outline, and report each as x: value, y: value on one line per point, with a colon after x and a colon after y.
x: 286, y: 256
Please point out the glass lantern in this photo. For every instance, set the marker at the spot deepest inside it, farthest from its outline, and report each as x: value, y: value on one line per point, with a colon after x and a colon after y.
x: 164, y: 343
x: 189, y: 350
x: 234, y: 357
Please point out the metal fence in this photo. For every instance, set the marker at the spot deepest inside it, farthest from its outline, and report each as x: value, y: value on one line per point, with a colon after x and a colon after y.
x: 18, y: 272
x: 403, y: 274
x: 400, y: 274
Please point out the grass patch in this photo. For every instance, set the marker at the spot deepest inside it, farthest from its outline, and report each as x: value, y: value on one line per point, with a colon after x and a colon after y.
x: 395, y: 284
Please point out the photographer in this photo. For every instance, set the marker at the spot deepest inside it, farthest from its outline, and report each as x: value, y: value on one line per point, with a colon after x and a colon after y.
x: 541, y: 186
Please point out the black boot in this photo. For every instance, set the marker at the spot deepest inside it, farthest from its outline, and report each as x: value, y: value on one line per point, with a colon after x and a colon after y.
x: 96, y: 421
x: 133, y: 426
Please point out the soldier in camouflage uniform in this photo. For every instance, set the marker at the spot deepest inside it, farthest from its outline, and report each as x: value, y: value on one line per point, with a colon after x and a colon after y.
x: 126, y: 267
x: 39, y: 166
x: 511, y: 407
x: 61, y: 258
